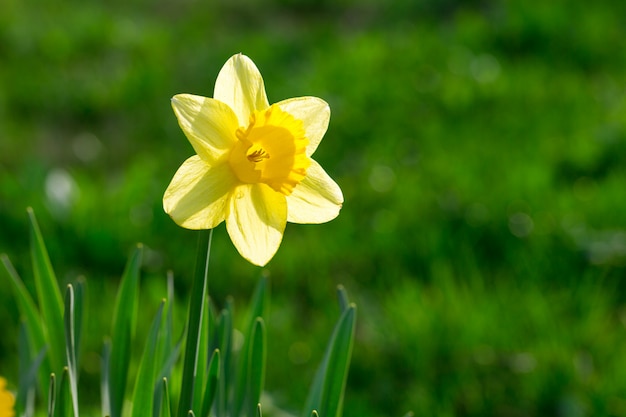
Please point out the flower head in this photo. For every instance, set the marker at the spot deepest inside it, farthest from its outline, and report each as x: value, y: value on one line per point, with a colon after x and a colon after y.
x: 7, y: 400
x: 253, y: 166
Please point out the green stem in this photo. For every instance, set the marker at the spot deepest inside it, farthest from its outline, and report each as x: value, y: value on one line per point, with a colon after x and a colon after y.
x: 194, y: 322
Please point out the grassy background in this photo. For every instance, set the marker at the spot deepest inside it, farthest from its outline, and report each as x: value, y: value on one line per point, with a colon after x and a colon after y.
x: 480, y: 145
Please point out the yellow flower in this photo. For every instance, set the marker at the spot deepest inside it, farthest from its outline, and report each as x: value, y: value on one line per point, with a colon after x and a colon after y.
x: 253, y: 167
x: 7, y: 401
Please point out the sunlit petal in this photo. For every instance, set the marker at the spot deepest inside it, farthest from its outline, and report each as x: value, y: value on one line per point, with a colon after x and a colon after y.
x: 197, y: 196
x: 256, y: 221
x: 315, y: 115
x: 253, y: 166
x: 317, y: 199
x: 209, y: 125
x: 240, y: 85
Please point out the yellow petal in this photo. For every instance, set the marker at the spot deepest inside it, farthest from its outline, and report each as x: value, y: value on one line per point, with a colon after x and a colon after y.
x: 316, y: 199
x: 209, y: 125
x: 240, y: 85
x: 197, y: 197
x: 315, y: 115
x: 256, y: 221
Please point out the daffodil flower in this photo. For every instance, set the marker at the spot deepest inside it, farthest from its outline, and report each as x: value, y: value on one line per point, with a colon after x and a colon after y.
x: 253, y: 166
x: 7, y: 400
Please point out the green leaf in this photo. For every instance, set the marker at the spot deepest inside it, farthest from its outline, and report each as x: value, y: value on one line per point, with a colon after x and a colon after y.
x: 31, y: 317
x: 194, y: 323
x: 168, y: 330
x: 70, y: 347
x: 80, y: 292
x: 28, y: 370
x: 342, y: 296
x: 256, y: 367
x: 213, y: 375
x: 225, y: 331
x: 105, y: 380
x: 203, y: 361
x: 169, y: 352
x: 48, y: 294
x: 165, y: 409
x: 327, y: 390
x: 63, y: 407
x: 258, y: 308
x: 259, y: 413
x: 52, y: 395
x: 124, y: 320
x: 145, y: 385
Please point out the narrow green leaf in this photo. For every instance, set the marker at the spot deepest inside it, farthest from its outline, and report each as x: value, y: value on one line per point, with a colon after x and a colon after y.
x: 314, y: 413
x: 203, y: 361
x: 70, y: 347
x: 339, y: 363
x: 256, y: 366
x: 327, y: 390
x: 52, y: 395
x: 225, y: 331
x: 80, y: 293
x: 48, y: 294
x: 166, y: 409
x: 145, y: 384
x: 168, y: 331
x: 342, y: 296
x: 105, y: 382
x: 28, y: 370
x: 259, y: 413
x: 213, y: 326
x: 258, y: 308
x: 32, y: 320
x: 124, y: 320
x: 194, y: 322
x: 166, y: 356
x: 63, y: 407
x: 29, y: 312
x: 213, y: 375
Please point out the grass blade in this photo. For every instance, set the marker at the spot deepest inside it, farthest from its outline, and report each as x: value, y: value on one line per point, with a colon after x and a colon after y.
x: 342, y: 296
x: 165, y: 409
x: 80, y: 292
x: 327, y: 390
x: 124, y: 320
x: 225, y: 335
x: 145, y: 385
x: 203, y: 360
x: 258, y: 308
x: 256, y: 367
x: 63, y: 407
x: 31, y: 317
x: 194, y: 323
x: 70, y: 347
x: 28, y: 371
x: 105, y: 381
x: 48, y: 294
x: 213, y: 376
x: 52, y: 395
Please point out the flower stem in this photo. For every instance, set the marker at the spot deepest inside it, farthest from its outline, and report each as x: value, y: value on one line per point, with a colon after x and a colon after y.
x: 194, y: 322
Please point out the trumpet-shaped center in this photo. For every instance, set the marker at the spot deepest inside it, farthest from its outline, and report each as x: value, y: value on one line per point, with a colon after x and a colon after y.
x: 271, y: 150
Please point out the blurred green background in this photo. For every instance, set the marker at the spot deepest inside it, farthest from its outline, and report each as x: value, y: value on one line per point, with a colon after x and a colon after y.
x: 480, y: 146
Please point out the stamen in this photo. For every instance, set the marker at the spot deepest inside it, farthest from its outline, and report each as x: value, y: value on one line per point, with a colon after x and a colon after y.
x: 271, y: 150
x: 258, y: 155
